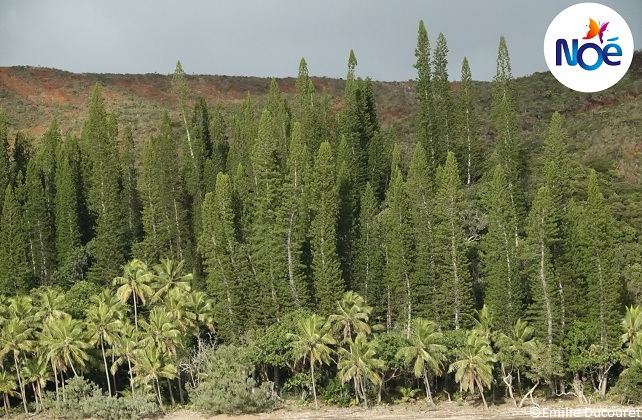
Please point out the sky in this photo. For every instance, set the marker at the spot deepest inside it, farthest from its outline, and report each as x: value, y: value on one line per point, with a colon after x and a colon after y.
x: 268, y: 38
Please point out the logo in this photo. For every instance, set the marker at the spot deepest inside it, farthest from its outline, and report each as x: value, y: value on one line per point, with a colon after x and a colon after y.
x: 588, y: 47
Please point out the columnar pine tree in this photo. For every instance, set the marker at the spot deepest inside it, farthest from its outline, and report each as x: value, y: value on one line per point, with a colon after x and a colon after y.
x: 368, y: 267
x: 507, y: 141
x: 543, y: 233
x: 280, y: 112
x: 165, y: 218
x: 308, y: 106
x: 47, y: 156
x: 5, y: 162
x: 194, y: 168
x: 557, y: 179
x: 346, y: 186
x: 105, y: 193
x: 220, y: 149
x: 504, y: 286
x: 599, y: 247
x: 20, y: 155
x: 296, y: 214
x: 328, y: 282
x: 398, y: 256
x: 266, y: 230
x: 424, y: 98
x: 244, y: 131
x: 455, y: 294
x: 443, y: 119
x: 130, y: 193
x: 468, y: 126
x: 421, y: 201
x: 224, y: 259
x: 38, y: 226
x: 68, y: 195
x: 14, y: 269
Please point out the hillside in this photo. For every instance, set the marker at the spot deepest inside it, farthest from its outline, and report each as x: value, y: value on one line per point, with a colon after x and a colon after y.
x: 605, y: 128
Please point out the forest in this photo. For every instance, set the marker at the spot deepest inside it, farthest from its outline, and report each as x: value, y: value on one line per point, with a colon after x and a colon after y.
x: 240, y: 258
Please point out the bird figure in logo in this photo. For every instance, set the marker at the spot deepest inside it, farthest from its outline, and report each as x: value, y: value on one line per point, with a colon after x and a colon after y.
x: 595, y: 29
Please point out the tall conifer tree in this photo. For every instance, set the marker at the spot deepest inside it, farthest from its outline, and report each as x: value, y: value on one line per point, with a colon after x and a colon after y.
x: 423, y: 94
x: 468, y: 126
x: 14, y: 270
x: 504, y: 287
x: 443, y: 118
x: 328, y: 282
x: 68, y: 196
x: 105, y: 194
x: 455, y: 300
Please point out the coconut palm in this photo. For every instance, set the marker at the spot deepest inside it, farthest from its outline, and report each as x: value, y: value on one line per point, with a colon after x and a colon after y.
x: 352, y: 316
x: 203, y: 309
x: 424, y: 351
x: 311, y: 342
x: 124, y: 346
x: 20, y: 307
x: 16, y: 338
x: 7, y: 389
x: 151, y: 364
x: 49, y: 304
x: 632, y: 324
x: 513, y: 352
x: 103, y: 322
x: 36, y: 372
x: 169, y: 276
x: 178, y: 308
x: 358, y: 364
x: 135, y: 282
x: 64, y: 342
x: 160, y: 331
x: 474, y: 367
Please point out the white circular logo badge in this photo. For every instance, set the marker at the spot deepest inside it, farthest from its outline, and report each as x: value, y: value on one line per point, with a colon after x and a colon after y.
x: 588, y: 47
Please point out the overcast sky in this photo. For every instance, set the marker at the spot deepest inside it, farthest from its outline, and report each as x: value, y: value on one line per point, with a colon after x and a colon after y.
x: 268, y: 38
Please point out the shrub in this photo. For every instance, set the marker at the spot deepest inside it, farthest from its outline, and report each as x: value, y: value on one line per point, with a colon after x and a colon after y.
x: 84, y: 399
x: 226, y: 386
x: 336, y: 393
x: 628, y: 389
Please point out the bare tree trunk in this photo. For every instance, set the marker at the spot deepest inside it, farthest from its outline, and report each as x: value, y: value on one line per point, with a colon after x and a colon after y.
x: 529, y: 394
x: 481, y: 392
x: 508, y: 380
x: 314, y: 387
x: 102, y: 348
x: 427, y: 385
x: 22, y: 388
x: 171, y: 393
x: 158, y: 394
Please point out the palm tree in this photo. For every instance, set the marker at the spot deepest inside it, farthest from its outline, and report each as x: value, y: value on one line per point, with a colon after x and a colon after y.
x: 36, y: 373
x: 474, y: 366
x: 135, y: 282
x: 311, y: 342
x: 424, y: 351
x: 162, y: 333
x: 64, y: 342
x: 169, y: 276
x: 358, y: 364
x: 513, y: 352
x: 16, y: 338
x: 7, y: 389
x: 632, y: 324
x: 103, y: 322
x: 203, y: 309
x: 21, y: 307
x: 178, y: 308
x: 150, y: 365
x: 352, y: 316
x: 124, y: 346
x: 49, y: 303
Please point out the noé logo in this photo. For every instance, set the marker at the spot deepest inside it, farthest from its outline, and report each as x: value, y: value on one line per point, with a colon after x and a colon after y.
x: 588, y: 47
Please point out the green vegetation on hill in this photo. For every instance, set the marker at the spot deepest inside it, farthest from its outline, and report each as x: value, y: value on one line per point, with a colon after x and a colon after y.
x: 339, y: 244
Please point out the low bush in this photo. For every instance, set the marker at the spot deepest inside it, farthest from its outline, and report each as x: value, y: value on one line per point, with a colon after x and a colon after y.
x: 226, y: 384
x: 84, y: 399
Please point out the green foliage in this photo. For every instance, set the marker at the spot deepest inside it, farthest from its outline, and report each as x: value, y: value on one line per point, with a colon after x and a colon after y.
x: 14, y: 271
x: 628, y: 388
x: 227, y: 385
x: 338, y: 393
x: 84, y: 399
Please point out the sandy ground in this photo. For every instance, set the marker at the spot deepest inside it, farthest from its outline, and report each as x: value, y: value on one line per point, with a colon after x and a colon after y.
x: 394, y: 412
